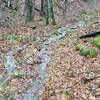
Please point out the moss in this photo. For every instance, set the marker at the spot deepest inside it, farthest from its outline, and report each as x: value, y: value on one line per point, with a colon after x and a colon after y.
x: 49, y: 92
x: 93, y: 52
x: 10, y: 37
x: 63, y: 41
x: 55, y: 33
x: 2, y: 87
x: 18, y: 75
x: 79, y: 47
x: 13, y: 13
x: 67, y: 95
x: 84, y: 51
x: 96, y: 41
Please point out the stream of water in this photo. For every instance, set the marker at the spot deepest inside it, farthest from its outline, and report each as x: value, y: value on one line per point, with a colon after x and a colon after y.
x: 44, y: 55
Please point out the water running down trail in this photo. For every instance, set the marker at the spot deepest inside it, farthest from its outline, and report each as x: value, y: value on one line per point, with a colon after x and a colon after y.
x: 44, y: 55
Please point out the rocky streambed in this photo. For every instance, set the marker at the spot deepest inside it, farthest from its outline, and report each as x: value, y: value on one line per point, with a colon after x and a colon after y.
x: 35, y: 81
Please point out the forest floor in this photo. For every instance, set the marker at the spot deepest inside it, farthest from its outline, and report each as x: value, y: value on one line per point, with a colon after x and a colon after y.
x: 71, y: 76
x: 68, y: 75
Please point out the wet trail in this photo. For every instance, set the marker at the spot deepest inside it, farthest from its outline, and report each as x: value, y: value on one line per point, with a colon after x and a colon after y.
x: 44, y: 54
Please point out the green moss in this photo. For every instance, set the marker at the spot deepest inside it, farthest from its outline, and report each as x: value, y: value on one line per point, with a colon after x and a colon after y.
x: 10, y: 37
x: 55, y: 33
x: 49, y: 92
x: 93, y: 52
x: 79, y: 47
x: 2, y: 87
x: 13, y: 13
x: 84, y: 51
x: 63, y: 41
x: 96, y: 41
x: 67, y: 95
x: 18, y: 75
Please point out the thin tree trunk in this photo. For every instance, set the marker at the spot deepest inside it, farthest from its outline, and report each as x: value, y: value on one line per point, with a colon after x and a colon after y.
x: 52, y: 13
x: 30, y: 7
x: 42, y: 8
x: 65, y: 8
x: 46, y: 12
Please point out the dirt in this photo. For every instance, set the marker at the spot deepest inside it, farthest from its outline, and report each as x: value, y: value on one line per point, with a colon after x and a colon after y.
x: 68, y: 72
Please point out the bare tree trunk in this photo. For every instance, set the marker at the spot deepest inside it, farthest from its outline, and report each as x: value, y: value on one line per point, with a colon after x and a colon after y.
x: 47, y: 10
x: 52, y: 13
x: 65, y: 7
x: 26, y: 10
x: 42, y: 8
x: 30, y: 6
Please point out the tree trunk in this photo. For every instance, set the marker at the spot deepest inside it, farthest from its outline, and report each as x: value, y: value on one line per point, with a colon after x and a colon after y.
x: 42, y: 8
x: 65, y: 8
x: 47, y: 11
x: 30, y: 6
x: 52, y: 13
x: 26, y: 10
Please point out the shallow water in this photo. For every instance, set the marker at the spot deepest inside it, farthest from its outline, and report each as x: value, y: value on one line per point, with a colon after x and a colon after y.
x: 44, y: 55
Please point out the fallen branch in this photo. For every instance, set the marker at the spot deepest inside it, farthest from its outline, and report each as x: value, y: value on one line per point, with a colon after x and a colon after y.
x: 93, y: 34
